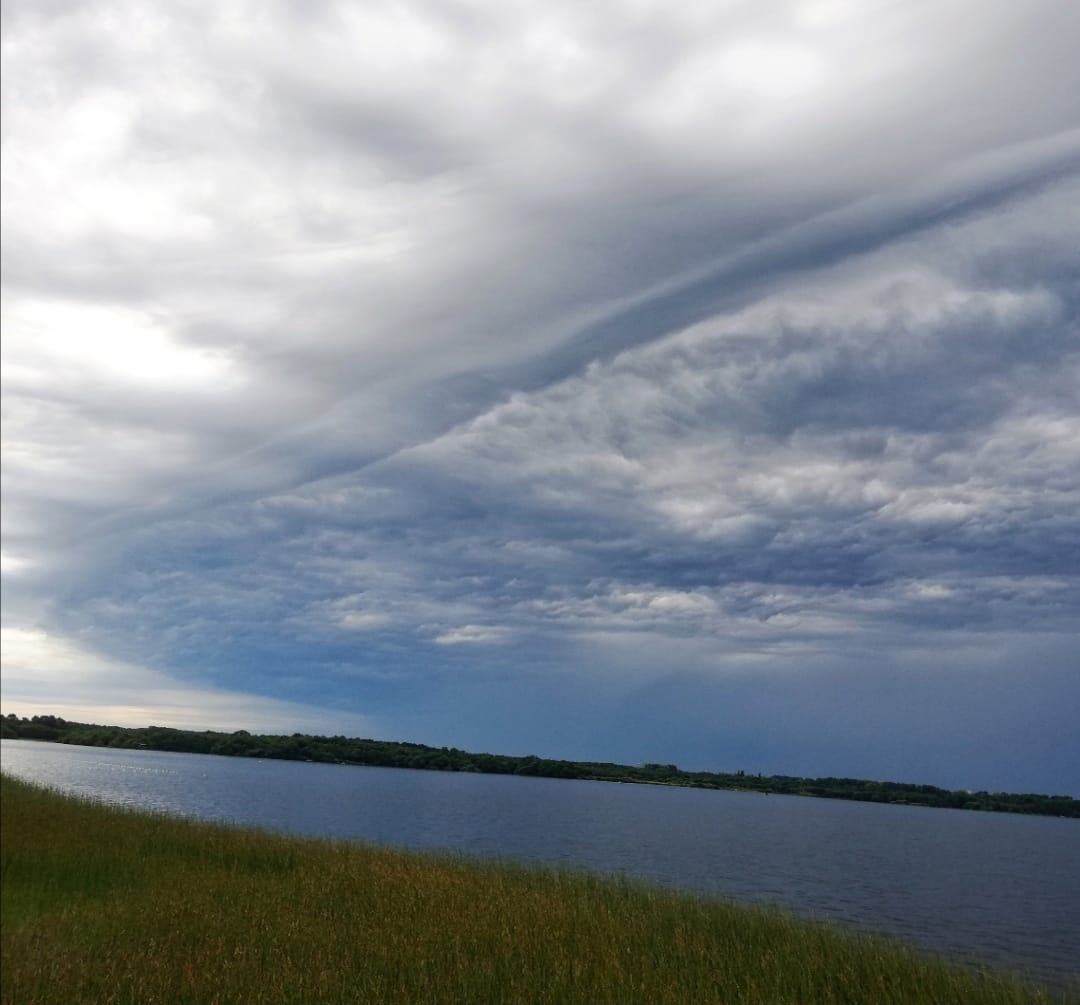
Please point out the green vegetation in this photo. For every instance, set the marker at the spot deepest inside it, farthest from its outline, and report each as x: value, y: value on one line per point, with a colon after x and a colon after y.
x: 106, y: 906
x: 387, y: 754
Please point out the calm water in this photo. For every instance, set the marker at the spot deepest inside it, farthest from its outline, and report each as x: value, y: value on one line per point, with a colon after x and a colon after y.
x: 978, y: 886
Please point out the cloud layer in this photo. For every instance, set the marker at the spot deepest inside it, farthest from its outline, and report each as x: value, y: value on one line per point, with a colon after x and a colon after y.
x: 695, y: 385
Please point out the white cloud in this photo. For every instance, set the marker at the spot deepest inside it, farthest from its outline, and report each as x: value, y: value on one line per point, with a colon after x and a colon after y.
x: 468, y: 634
x: 930, y: 591
x: 363, y: 620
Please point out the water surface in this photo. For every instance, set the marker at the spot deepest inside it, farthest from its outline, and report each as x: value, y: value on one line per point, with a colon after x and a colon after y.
x: 982, y: 887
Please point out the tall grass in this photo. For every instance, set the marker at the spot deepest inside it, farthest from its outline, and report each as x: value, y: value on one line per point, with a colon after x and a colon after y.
x: 102, y: 905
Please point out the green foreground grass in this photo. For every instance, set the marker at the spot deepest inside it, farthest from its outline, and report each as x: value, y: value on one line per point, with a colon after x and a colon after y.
x: 102, y: 905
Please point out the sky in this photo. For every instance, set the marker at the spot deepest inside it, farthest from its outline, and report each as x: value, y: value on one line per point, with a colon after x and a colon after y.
x: 695, y: 382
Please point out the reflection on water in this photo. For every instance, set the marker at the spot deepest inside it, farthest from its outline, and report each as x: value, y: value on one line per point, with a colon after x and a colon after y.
x: 979, y: 886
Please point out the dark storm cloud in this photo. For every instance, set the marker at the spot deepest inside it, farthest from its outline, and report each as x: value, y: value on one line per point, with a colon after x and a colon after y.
x: 410, y: 359
x: 873, y: 445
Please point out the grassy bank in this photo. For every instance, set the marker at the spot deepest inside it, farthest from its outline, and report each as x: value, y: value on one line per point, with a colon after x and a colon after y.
x: 105, y: 906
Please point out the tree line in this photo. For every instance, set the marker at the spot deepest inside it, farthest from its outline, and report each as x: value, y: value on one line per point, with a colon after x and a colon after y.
x: 397, y: 754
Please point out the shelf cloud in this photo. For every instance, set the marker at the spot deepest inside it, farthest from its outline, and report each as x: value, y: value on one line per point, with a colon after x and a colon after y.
x: 694, y: 384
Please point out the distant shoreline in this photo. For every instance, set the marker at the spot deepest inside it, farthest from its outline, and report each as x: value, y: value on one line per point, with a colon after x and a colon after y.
x: 394, y: 754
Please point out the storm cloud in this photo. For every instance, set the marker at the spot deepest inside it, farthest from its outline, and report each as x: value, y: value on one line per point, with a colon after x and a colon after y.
x: 695, y: 385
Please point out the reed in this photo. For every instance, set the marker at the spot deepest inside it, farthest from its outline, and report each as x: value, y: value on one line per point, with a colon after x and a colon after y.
x: 102, y: 905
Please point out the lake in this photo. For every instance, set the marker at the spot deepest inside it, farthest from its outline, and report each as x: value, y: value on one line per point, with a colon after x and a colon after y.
x: 981, y: 887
